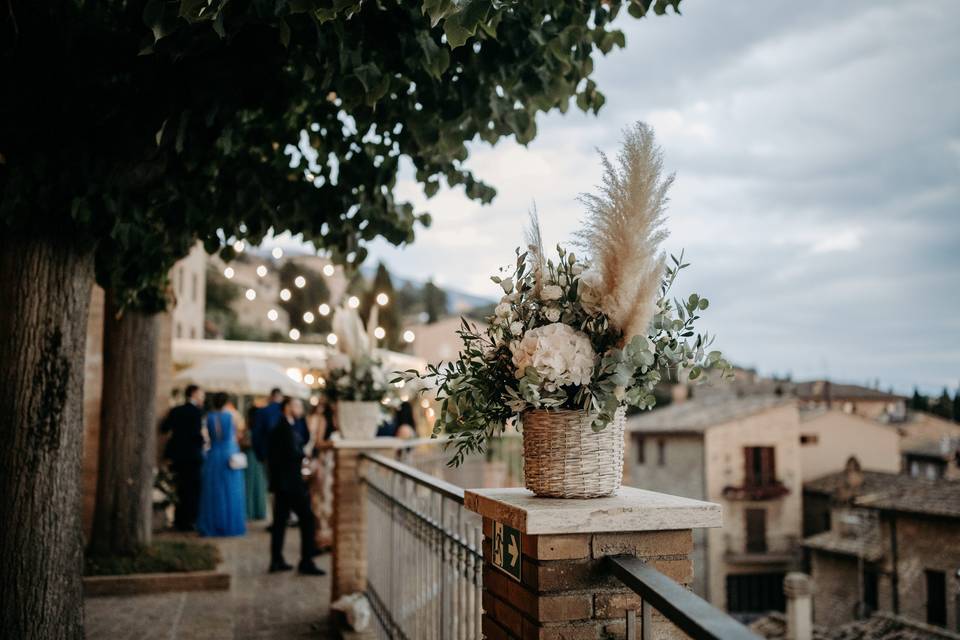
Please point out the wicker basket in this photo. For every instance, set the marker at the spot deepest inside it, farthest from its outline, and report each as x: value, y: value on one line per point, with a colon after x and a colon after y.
x: 358, y: 420
x: 563, y: 457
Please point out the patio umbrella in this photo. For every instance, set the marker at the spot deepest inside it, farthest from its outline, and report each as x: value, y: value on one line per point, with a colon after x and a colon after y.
x: 242, y: 376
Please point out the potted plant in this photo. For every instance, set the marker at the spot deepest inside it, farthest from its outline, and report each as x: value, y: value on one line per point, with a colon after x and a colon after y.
x: 578, y: 338
x: 356, y: 378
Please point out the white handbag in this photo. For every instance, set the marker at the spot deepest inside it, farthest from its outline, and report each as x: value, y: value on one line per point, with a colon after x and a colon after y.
x: 237, y: 460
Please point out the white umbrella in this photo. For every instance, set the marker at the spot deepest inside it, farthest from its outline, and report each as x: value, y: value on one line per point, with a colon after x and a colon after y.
x: 242, y: 376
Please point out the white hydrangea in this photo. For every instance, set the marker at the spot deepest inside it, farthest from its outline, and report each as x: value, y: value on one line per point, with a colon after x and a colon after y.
x: 560, y: 354
x: 516, y: 328
x: 552, y: 314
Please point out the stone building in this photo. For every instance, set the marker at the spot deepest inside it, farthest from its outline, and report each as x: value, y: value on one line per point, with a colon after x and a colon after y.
x: 189, y: 281
x: 886, y: 542
x: 828, y: 437
x: 743, y: 453
x: 851, y: 398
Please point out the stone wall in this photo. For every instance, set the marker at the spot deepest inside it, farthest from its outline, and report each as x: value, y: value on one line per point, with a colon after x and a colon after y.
x: 836, y: 594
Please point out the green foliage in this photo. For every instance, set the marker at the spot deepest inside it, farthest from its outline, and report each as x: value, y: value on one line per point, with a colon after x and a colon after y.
x: 306, y: 299
x: 943, y: 406
x: 138, y: 127
x: 434, y: 301
x: 388, y: 316
x: 919, y: 402
x: 163, y: 556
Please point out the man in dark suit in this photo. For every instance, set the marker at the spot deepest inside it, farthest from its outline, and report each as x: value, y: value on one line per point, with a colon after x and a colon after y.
x: 185, y: 451
x: 285, y: 461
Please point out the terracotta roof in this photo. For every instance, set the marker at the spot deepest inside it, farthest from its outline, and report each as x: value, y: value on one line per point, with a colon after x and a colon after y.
x: 879, y: 626
x: 822, y: 388
x: 857, y: 547
x: 697, y: 415
x: 895, y: 492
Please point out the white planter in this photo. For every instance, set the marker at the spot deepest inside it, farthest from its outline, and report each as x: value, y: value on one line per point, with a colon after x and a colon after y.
x: 358, y: 420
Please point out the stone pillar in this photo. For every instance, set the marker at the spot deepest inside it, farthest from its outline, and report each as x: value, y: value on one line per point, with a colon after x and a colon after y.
x: 798, y: 588
x: 566, y: 590
x: 348, y: 560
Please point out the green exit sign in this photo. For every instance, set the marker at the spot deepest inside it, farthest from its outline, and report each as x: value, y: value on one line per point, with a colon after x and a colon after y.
x: 506, y: 550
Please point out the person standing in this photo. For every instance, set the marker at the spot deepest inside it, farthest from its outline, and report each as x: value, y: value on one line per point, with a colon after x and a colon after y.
x: 284, y: 464
x: 222, y: 499
x: 264, y: 420
x: 255, y: 476
x: 184, y: 450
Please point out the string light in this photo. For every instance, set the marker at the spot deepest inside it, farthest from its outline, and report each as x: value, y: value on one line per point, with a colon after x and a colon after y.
x: 284, y: 294
x: 272, y: 315
x: 294, y: 334
x: 379, y: 333
x: 314, y: 400
x: 328, y: 270
x: 261, y: 271
x: 353, y: 302
x: 425, y: 403
x: 382, y: 299
x: 331, y: 339
x: 277, y: 253
x: 228, y: 273
x: 308, y: 317
x: 324, y: 309
x: 309, y: 379
x: 300, y: 281
x: 239, y: 246
x: 251, y: 295
x: 409, y: 336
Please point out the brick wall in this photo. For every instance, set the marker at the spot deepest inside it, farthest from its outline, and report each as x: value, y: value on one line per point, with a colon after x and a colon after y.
x: 837, y: 594
x: 567, y: 591
x: 924, y: 544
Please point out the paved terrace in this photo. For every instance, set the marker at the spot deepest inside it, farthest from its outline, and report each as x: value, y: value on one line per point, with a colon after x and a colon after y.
x: 257, y: 606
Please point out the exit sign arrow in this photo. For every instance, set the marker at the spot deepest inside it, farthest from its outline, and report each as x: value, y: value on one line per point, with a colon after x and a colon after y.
x: 506, y: 550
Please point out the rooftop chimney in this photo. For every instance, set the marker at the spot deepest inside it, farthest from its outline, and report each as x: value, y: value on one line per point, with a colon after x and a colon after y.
x: 798, y: 588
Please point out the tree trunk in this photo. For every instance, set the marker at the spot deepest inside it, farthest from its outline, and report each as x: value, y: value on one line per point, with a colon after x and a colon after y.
x: 122, y: 518
x: 45, y: 285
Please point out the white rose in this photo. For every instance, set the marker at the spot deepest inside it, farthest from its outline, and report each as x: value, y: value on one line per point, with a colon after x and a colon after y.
x: 590, y: 289
x: 559, y: 354
x: 551, y: 292
x: 552, y: 314
x: 502, y: 310
x: 516, y: 328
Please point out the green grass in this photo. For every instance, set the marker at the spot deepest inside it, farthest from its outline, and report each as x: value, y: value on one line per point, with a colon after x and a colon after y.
x: 161, y: 557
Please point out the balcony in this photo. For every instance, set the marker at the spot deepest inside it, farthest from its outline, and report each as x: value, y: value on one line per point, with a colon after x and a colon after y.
x: 428, y: 571
x: 756, y: 492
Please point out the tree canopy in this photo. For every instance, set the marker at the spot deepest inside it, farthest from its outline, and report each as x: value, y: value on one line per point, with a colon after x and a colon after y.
x: 138, y: 126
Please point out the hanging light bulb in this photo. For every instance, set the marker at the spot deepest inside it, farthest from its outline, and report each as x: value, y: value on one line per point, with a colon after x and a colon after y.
x: 272, y: 315
x: 239, y: 246
x: 277, y: 253
x: 409, y: 336
x: 294, y: 334
x: 300, y: 281
x: 380, y: 333
x: 331, y: 339
x: 328, y: 270
x: 309, y: 379
x: 261, y: 271
x: 251, y: 295
x: 353, y: 302
x: 382, y: 299
x: 308, y: 317
x: 324, y: 309
x: 228, y: 273
x: 284, y: 294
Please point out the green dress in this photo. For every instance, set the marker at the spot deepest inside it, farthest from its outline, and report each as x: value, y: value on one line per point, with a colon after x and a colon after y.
x: 256, y: 483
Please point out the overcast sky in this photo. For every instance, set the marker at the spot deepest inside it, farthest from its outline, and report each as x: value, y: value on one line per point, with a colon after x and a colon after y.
x: 817, y: 153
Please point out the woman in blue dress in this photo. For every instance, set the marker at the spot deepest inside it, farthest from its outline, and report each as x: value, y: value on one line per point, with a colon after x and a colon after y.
x: 222, y: 498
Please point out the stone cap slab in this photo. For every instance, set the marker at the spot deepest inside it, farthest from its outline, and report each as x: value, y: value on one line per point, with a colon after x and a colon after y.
x: 629, y: 509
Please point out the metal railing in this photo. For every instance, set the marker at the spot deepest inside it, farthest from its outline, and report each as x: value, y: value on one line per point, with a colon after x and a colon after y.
x: 689, y: 612
x: 424, y: 559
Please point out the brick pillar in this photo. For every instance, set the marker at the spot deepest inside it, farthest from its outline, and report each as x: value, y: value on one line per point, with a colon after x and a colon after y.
x: 349, y: 550
x: 566, y: 590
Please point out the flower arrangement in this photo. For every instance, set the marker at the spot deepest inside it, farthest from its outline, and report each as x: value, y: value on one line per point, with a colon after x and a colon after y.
x: 592, y: 331
x: 355, y: 371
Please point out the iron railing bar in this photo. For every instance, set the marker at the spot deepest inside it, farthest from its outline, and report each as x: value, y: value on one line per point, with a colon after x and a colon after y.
x: 442, y: 487
x: 383, y: 615
x: 691, y: 614
x: 426, y: 519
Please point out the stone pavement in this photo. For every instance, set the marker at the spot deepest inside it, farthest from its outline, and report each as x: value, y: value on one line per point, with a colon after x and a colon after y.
x: 258, y: 605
